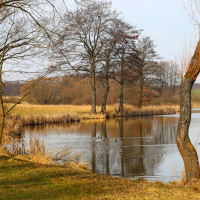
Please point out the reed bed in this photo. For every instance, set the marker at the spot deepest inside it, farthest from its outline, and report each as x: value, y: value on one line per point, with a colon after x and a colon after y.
x: 48, y: 119
x: 14, y: 123
x: 83, y: 111
x: 150, y: 111
x: 129, y: 110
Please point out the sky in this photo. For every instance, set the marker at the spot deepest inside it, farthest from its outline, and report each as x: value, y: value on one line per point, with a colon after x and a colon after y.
x: 165, y: 21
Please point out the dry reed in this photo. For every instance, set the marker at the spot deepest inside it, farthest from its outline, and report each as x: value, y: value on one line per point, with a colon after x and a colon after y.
x: 130, y: 110
x: 36, y: 151
x: 14, y: 123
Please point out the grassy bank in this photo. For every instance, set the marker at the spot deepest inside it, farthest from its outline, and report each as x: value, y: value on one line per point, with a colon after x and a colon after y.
x: 84, y: 111
x: 27, y: 114
x: 25, y: 180
x: 14, y: 123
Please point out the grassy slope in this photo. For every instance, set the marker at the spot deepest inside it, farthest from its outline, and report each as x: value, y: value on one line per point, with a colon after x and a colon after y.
x: 25, y: 180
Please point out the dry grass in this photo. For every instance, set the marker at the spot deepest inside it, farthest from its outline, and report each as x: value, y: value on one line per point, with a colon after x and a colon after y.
x: 14, y: 123
x: 10, y: 99
x: 195, y: 105
x: 130, y: 110
x: 25, y: 180
x: 36, y: 151
x: 29, y: 109
x: 82, y: 111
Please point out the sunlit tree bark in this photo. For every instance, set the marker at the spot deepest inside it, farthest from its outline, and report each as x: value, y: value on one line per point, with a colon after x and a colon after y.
x: 187, y: 151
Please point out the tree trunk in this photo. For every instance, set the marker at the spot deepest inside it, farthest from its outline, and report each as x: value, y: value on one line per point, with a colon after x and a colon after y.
x: 121, y: 99
x: 105, y: 96
x: 184, y: 144
x: 1, y: 128
x: 93, y: 103
x: 140, y: 93
x: 186, y: 149
x: 106, y: 87
x: 2, y: 110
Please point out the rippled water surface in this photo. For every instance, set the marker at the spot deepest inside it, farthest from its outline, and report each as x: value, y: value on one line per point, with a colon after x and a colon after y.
x: 127, y: 147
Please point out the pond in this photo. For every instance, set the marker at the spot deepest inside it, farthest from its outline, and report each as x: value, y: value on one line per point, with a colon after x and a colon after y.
x: 126, y: 147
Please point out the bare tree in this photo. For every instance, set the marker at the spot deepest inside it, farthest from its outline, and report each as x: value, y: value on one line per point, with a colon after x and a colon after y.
x: 84, y: 37
x: 168, y: 77
x: 27, y: 28
x: 47, y: 91
x: 148, y: 67
x: 193, y: 12
x: 127, y: 58
x: 118, y: 33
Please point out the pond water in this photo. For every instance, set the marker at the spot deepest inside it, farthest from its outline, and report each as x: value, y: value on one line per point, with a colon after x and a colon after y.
x: 130, y: 147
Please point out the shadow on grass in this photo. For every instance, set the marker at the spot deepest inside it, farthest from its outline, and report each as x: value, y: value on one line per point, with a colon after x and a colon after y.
x: 25, y: 180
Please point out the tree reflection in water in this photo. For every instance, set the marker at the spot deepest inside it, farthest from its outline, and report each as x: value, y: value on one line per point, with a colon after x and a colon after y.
x: 135, y: 152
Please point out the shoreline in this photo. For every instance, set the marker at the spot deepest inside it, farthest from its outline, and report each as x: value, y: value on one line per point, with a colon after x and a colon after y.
x: 22, y: 116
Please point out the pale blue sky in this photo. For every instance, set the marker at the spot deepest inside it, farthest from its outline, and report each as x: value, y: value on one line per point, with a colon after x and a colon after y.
x: 164, y: 21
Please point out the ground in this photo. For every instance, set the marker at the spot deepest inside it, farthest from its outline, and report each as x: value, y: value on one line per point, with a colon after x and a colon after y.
x: 26, y: 180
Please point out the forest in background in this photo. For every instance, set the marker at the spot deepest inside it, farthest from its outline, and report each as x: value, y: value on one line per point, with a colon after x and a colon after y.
x: 76, y: 90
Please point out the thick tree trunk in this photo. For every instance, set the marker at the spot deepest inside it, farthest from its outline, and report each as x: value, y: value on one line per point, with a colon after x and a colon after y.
x: 186, y: 149
x: 121, y: 99
x: 93, y: 103
x: 184, y: 144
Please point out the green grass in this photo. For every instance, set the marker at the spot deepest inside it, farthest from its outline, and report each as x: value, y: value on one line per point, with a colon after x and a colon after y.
x: 195, y: 92
x: 25, y: 180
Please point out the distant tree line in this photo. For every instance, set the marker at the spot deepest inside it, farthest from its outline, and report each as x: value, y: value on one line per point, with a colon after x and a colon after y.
x: 76, y: 89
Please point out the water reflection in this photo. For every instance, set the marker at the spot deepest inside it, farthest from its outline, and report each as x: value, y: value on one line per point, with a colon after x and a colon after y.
x: 127, y: 147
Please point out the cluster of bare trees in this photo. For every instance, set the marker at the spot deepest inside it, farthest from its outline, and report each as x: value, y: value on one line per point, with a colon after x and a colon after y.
x: 95, y: 40
x: 75, y: 89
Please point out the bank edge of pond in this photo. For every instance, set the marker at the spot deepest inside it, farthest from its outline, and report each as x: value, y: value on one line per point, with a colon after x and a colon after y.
x: 14, y: 123
x: 25, y: 180
x: 146, y: 111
